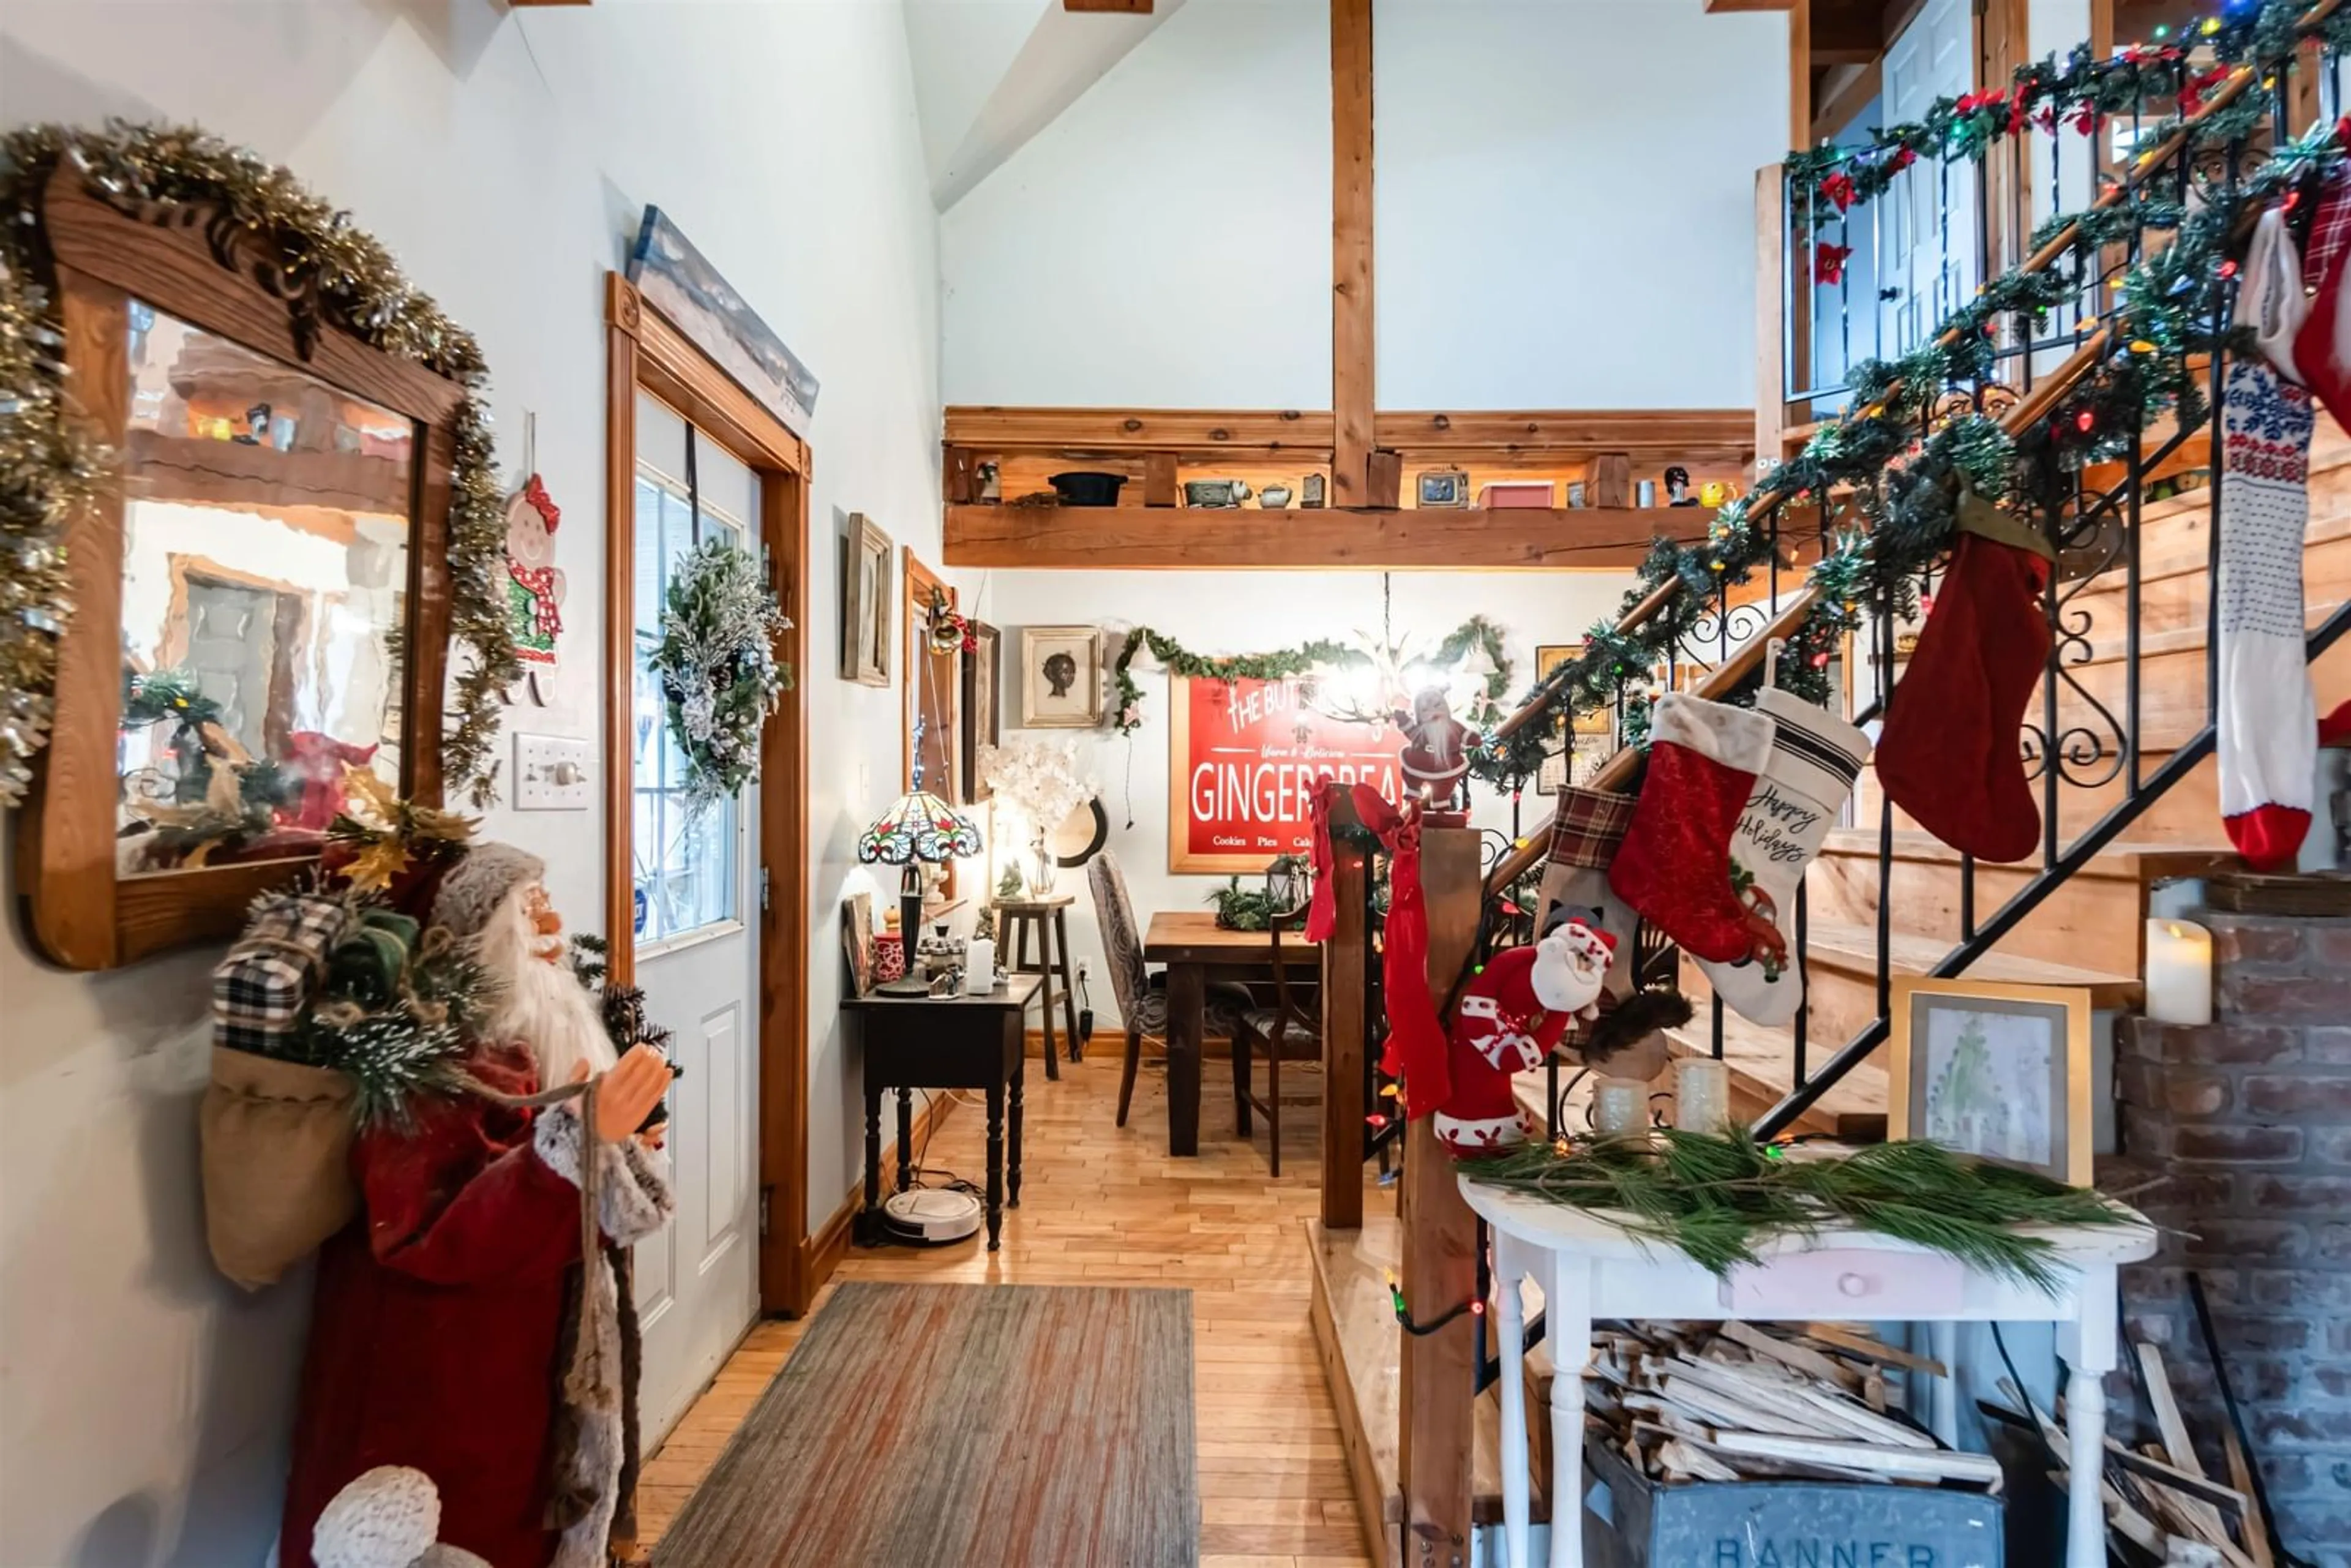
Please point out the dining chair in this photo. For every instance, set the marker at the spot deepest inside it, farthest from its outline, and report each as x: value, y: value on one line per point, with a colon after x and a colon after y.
x: 1290, y: 1030
x: 1143, y: 995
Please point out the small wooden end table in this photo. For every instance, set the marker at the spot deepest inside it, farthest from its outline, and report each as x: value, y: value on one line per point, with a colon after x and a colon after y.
x: 944, y: 1042
x: 1050, y: 918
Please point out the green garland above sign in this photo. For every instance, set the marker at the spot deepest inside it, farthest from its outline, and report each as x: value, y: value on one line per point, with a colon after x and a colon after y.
x: 1320, y: 656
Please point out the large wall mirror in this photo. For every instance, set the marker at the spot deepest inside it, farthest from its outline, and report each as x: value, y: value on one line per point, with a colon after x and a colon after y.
x: 261, y: 601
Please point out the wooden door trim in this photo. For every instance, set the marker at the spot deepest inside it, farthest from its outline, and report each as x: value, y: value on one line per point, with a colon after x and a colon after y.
x: 645, y: 352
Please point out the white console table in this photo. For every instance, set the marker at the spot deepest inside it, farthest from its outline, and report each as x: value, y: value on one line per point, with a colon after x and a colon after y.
x: 1587, y: 1268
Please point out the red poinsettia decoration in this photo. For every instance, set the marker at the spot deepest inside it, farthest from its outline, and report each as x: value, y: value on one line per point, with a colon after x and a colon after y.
x: 2192, y: 90
x: 1837, y: 191
x: 2086, y: 120
x: 1828, y: 261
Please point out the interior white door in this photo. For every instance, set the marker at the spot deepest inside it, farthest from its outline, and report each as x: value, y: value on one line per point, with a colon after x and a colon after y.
x: 697, y: 904
x: 1928, y: 261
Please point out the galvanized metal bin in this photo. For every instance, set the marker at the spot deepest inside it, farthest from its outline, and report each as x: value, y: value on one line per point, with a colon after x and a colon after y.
x: 1631, y: 1521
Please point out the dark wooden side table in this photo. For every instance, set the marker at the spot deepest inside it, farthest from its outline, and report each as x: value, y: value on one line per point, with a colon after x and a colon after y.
x: 944, y: 1042
x: 1050, y: 918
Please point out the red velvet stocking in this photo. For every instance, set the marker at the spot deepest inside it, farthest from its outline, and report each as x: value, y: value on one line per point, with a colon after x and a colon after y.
x: 1949, y: 754
x: 1675, y: 863
x: 1416, y: 1050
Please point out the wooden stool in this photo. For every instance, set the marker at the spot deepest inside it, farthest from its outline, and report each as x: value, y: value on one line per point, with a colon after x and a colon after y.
x: 1050, y: 917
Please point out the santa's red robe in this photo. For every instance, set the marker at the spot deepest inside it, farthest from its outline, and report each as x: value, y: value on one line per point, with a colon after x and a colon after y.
x: 440, y: 1317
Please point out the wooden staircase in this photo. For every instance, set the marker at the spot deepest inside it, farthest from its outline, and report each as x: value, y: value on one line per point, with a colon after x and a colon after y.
x: 2089, y: 931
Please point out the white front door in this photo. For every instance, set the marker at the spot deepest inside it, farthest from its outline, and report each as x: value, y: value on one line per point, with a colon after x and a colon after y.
x: 1929, y: 259
x: 697, y: 940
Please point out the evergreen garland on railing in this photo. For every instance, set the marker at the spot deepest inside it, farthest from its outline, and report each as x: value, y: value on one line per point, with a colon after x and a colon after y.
x: 2083, y: 93
x: 2162, y: 316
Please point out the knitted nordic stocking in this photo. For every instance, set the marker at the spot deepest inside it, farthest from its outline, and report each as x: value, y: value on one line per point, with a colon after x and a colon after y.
x: 2268, y: 719
x: 1814, y: 761
x: 1675, y: 863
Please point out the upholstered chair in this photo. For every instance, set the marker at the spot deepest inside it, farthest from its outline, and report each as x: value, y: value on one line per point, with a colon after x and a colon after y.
x: 1141, y: 996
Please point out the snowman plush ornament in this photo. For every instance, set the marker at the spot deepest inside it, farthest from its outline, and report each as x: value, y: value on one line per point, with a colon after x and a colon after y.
x: 1513, y: 1013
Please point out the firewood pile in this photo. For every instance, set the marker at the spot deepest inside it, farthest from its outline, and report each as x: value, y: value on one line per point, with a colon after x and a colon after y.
x: 2162, y: 1506
x: 1737, y: 1402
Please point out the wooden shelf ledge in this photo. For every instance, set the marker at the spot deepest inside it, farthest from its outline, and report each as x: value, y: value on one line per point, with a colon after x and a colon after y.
x: 1598, y: 539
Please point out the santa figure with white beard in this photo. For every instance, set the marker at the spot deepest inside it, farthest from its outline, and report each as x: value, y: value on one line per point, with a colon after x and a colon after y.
x: 458, y: 1330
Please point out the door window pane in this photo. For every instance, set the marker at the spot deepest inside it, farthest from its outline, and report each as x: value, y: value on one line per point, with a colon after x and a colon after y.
x: 687, y: 867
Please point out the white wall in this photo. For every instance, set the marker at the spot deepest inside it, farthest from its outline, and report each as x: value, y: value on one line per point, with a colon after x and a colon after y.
x: 1167, y: 242
x: 505, y: 158
x: 1565, y: 194
x: 1250, y: 612
x: 1564, y: 211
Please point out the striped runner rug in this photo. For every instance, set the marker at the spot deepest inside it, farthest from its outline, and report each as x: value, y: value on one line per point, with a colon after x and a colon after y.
x: 963, y: 1427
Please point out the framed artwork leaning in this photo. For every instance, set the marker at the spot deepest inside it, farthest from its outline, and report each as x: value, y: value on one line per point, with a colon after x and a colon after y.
x: 869, y: 606
x: 857, y: 941
x: 1060, y: 677
x: 982, y: 704
x: 2000, y: 1071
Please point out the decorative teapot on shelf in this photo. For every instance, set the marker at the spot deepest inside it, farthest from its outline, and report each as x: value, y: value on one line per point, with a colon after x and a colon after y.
x: 1214, y: 492
x: 1274, y: 497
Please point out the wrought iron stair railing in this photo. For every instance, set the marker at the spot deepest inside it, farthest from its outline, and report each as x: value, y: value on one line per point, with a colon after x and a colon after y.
x: 2075, y: 742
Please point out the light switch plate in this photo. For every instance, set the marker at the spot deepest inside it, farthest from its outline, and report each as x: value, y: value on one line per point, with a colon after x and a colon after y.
x: 552, y: 773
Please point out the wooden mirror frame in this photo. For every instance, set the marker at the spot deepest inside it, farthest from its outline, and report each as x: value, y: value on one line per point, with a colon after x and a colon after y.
x: 80, y: 912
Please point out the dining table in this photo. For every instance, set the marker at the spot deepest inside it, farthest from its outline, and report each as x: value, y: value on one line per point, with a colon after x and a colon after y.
x: 1196, y: 950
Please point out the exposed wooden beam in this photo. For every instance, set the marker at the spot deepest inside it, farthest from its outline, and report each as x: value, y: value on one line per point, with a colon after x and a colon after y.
x: 1799, y: 74
x: 521, y: 2
x: 1590, y: 538
x: 1720, y: 6
x: 1121, y: 7
x: 1846, y: 32
x: 1659, y: 435
x: 1188, y: 431
x: 1354, y: 364
x: 1667, y: 434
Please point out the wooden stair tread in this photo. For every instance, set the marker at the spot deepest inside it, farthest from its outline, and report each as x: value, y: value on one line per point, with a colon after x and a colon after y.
x: 1853, y: 950
x: 1765, y: 1058
x: 2123, y: 860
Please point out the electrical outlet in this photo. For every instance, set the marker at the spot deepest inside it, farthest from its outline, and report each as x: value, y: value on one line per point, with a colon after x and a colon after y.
x: 552, y: 773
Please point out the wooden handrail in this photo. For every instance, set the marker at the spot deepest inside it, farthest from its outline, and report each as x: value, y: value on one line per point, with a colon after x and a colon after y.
x: 2043, y: 394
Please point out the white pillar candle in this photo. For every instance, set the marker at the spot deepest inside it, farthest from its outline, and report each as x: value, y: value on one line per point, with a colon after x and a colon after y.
x: 2178, y: 972
x: 979, y: 966
x: 1702, y: 1094
x: 1620, y: 1107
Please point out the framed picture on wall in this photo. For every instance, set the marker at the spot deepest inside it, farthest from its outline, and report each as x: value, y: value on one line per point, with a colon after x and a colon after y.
x: 868, y: 606
x: 1060, y: 677
x: 981, y: 705
x: 933, y: 684
x: 1995, y: 1071
x: 677, y: 280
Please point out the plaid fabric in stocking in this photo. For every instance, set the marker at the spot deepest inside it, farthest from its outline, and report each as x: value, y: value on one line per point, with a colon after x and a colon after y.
x: 1585, y: 831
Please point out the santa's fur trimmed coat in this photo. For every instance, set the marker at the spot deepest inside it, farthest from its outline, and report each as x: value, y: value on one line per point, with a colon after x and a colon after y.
x: 444, y: 1334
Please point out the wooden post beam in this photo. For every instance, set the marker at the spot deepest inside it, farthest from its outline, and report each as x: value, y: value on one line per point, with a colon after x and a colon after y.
x: 1352, y: 362
x: 1345, y: 960
x: 1438, y: 1370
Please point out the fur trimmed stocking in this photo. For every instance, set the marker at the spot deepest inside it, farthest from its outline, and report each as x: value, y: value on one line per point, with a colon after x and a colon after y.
x: 1814, y: 761
x: 1675, y: 863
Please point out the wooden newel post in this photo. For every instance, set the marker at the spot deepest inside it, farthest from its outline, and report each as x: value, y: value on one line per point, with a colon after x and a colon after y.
x: 1346, y: 1034
x: 1440, y: 1264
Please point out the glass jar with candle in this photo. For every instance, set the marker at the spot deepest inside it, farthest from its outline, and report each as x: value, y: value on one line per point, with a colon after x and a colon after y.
x: 1702, y: 1094
x: 1620, y: 1107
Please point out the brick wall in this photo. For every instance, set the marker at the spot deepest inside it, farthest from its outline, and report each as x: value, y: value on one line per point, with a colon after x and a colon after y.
x: 2247, y: 1121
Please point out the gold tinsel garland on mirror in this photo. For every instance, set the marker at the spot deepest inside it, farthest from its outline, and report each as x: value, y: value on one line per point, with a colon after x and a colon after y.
x: 332, y: 273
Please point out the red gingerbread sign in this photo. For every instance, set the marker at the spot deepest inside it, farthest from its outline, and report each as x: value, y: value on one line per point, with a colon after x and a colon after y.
x: 1243, y: 759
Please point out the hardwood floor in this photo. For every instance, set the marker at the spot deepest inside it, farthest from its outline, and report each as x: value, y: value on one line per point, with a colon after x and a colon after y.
x: 1105, y: 1205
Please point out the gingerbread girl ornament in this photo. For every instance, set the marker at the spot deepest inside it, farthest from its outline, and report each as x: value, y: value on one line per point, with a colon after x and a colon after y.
x: 535, y: 584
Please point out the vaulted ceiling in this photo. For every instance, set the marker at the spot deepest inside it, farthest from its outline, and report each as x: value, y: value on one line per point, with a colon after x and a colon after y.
x: 990, y: 74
